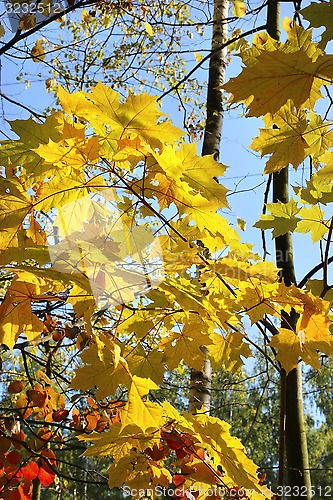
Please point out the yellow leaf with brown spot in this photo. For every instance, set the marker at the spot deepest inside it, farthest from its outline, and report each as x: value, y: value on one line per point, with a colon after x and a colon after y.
x: 27, y: 22
x: 38, y: 51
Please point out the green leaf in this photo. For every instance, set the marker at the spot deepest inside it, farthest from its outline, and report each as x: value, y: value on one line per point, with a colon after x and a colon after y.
x: 282, y: 218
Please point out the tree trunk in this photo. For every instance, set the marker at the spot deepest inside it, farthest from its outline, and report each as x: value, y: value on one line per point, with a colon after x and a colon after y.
x: 36, y: 489
x: 200, y: 387
x: 292, y: 432
x: 200, y: 384
x: 217, y: 63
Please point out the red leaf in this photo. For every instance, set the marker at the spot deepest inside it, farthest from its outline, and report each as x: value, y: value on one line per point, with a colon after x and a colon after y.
x: 13, y: 458
x: 174, y: 442
x: 178, y: 479
x: 76, y: 418
x: 25, y: 490
x: 14, y: 475
x: 11, y: 495
x: 102, y: 424
x: 20, y: 436
x: 46, y: 475
x: 4, y: 445
x: 156, y: 453
x: 30, y: 470
x: 50, y: 456
x: 262, y: 478
x: 44, y: 433
x: 60, y: 415
x: 181, y: 453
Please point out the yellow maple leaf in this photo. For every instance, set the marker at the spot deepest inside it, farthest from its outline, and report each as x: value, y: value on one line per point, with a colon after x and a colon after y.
x: 238, y: 8
x: 320, y: 14
x: 227, y: 351
x: 241, y: 224
x: 319, y: 187
x: 123, y: 471
x: 278, y: 76
x: 292, y: 346
x: 144, y: 414
x: 189, y: 181
x: 311, y: 337
x: 36, y: 232
x: 285, y: 141
x: 77, y: 105
x: 138, y: 116
x: 146, y: 473
x: 236, y: 269
x: 31, y: 134
x: 227, y: 451
x: 131, y: 151
x: 326, y: 172
x: 146, y: 364
x: 148, y: 28
x: 71, y: 152
x: 15, y: 204
x: 316, y: 287
x: 140, y: 323
x: 56, y: 195
x: 313, y: 222
x: 82, y: 300
x: 115, y: 442
x: 16, y: 316
x: 282, y: 217
x: 201, y: 174
x: 257, y: 299
x: 290, y: 349
x: 197, y: 56
x: 186, y: 345
x: 301, y: 38
x: 287, y: 24
x: 319, y: 137
x: 102, y: 373
x: 212, y: 439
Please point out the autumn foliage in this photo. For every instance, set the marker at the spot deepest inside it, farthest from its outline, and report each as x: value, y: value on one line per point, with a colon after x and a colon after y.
x: 106, y: 216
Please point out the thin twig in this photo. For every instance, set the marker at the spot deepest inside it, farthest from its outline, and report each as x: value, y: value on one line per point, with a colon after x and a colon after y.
x: 204, y: 59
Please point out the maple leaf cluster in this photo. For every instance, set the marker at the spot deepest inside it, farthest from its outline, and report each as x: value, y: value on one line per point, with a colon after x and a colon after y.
x: 99, y: 273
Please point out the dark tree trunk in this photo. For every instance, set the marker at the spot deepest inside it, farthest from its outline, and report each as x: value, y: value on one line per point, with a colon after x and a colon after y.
x: 36, y: 489
x: 292, y: 431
